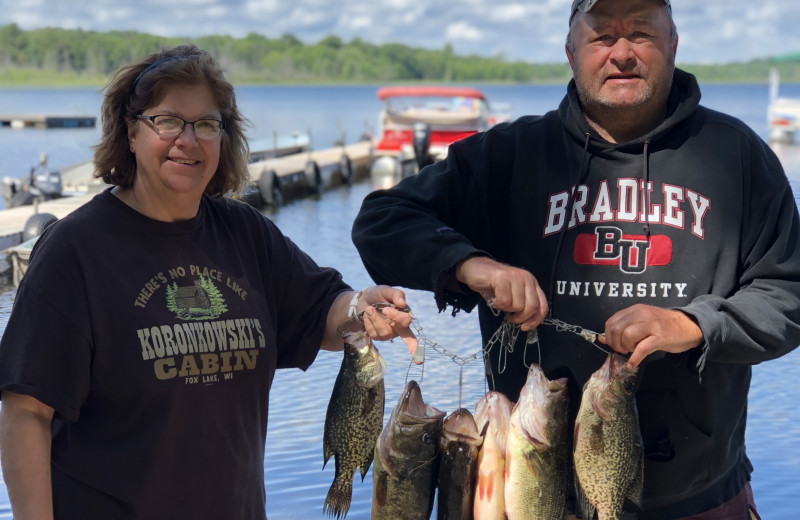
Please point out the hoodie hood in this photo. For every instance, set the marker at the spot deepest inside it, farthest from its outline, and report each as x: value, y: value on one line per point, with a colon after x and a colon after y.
x: 682, y: 102
x: 684, y: 97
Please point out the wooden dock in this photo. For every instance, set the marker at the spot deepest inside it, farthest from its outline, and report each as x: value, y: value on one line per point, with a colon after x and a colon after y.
x: 12, y: 221
x: 310, y: 172
x: 284, y: 177
x: 45, y: 121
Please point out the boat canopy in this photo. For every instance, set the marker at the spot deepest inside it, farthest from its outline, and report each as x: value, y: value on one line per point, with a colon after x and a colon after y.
x: 429, y: 91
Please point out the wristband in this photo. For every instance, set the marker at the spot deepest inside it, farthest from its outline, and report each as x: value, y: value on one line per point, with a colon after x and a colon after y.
x: 353, y: 304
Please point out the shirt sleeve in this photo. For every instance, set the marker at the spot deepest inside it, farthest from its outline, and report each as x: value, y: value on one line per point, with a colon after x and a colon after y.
x: 407, y: 235
x: 45, y: 351
x: 761, y: 319
x: 304, y: 293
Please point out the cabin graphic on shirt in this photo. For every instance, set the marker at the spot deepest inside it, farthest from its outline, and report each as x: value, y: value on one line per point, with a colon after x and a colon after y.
x: 200, y: 301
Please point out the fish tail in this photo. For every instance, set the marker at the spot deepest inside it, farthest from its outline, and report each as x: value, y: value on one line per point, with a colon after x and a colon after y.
x: 337, y: 503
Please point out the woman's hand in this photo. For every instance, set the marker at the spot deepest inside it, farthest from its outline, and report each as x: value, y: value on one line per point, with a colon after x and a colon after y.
x: 388, y: 322
x: 391, y: 321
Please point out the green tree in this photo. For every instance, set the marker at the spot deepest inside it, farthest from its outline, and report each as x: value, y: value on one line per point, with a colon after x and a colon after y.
x: 50, y: 55
x: 218, y: 306
x: 171, y: 305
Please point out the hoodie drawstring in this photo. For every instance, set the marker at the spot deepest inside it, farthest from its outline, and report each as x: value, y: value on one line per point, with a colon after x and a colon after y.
x: 646, y: 190
x: 583, y: 172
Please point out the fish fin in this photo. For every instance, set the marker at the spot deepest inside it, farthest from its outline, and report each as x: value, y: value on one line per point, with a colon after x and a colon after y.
x: 379, y: 487
x: 535, y: 463
x: 634, y: 493
x: 586, y: 508
x: 364, y: 464
x: 484, y: 490
x: 327, y: 452
x: 337, y: 503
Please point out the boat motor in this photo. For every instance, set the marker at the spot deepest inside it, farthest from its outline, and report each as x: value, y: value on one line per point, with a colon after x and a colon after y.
x: 48, y: 183
x: 422, y: 142
x: 40, y: 185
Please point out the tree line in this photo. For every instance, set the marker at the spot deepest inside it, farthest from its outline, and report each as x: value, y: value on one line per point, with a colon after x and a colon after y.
x: 74, y: 56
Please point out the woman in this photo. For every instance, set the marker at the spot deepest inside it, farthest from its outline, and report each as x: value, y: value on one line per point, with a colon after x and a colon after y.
x: 136, y: 365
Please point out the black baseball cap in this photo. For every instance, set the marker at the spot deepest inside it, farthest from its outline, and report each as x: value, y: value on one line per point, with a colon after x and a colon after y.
x: 585, y: 5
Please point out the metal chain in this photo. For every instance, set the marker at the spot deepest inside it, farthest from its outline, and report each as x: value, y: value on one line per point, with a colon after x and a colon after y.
x: 504, y: 339
x: 425, y: 343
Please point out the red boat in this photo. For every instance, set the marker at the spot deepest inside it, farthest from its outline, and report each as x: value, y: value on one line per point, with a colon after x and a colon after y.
x: 420, y: 122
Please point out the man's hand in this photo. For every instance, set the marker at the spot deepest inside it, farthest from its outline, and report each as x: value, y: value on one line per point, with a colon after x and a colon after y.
x: 641, y: 330
x: 510, y: 289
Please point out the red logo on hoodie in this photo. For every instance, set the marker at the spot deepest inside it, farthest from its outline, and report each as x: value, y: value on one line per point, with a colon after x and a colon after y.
x: 631, y: 253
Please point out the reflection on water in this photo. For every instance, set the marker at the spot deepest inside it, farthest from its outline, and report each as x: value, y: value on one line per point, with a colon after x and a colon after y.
x: 296, y: 486
x: 295, y: 482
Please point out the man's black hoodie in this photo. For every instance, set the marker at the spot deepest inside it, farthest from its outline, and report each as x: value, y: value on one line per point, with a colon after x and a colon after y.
x: 697, y: 215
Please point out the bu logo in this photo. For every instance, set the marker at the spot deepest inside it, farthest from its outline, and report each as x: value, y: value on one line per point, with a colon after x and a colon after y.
x: 631, y: 253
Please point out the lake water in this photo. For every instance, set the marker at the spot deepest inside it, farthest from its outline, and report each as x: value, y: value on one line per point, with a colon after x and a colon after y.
x: 295, y: 482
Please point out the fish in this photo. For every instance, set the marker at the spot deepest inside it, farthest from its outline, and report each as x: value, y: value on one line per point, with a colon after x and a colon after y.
x: 608, y: 454
x: 406, y: 459
x: 492, y: 414
x: 354, y: 418
x: 459, y: 446
x: 537, y: 450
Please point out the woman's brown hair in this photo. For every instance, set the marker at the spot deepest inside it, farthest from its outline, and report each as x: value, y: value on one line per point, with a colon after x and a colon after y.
x: 138, y: 86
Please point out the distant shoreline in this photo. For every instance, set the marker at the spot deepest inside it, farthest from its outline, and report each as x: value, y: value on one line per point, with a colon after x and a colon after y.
x: 57, y: 83
x: 60, y: 58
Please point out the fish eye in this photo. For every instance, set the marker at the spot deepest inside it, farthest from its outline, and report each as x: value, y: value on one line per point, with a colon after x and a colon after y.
x: 427, y: 438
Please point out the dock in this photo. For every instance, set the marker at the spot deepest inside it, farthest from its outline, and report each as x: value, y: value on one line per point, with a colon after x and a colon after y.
x: 312, y: 172
x: 45, y: 121
x: 283, y: 178
x: 12, y: 221
x: 783, y: 114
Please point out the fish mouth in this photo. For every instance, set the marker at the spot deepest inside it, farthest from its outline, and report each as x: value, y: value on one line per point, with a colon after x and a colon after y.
x: 536, y: 397
x: 460, y: 426
x: 494, y: 408
x: 617, y: 366
x: 414, y: 411
x: 381, y: 371
x: 374, y: 369
x: 614, y: 371
x: 413, y: 405
x: 411, y: 416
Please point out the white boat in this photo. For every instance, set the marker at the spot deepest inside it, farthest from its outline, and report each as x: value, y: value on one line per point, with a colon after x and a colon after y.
x: 417, y: 124
x: 783, y: 114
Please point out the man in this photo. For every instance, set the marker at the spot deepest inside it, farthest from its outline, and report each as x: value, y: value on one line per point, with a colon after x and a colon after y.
x: 630, y: 210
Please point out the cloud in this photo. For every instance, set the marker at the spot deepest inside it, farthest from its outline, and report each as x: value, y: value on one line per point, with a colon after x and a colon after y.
x: 710, y: 31
x: 463, y: 31
x: 509, y: 13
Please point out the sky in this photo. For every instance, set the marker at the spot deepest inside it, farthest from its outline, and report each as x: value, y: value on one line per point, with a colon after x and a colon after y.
x: 710, y: 31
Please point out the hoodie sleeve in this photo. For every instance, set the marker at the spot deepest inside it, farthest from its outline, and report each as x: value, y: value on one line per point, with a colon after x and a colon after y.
x: 760, y: 320
x: 406, y: 235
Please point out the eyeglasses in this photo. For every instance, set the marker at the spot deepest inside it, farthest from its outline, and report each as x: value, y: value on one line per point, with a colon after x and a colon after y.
x: 172, y: 126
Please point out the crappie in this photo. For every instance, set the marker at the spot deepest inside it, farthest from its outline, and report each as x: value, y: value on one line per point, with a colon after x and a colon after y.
x: 608, y: 452
x: 406, y: 460
x: 457, y: 468
x: 492, y: 414
x: 537, y: 450
x: 354, y: 418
